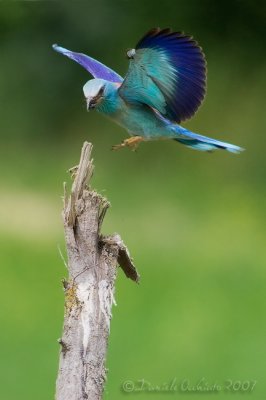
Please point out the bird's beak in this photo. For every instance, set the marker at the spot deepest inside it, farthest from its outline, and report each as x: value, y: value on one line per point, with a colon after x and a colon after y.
x: 90, y: 103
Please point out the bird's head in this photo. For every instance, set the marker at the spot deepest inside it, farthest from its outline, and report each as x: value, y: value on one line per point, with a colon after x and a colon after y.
x: 94, y: 92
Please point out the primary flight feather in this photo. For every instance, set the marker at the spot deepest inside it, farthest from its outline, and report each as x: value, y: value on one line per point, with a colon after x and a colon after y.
x: 165, y: 84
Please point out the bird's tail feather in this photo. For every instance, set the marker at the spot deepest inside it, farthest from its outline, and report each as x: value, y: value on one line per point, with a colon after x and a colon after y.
x: 203, y: 143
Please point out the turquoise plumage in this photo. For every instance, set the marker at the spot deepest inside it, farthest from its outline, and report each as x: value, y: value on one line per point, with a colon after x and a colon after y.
x: 165, y: 85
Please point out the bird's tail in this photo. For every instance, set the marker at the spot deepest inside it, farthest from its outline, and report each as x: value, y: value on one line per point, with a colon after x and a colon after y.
x: 202, y: 143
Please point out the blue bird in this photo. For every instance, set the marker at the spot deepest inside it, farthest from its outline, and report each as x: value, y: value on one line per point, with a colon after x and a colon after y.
x: 165, y: 84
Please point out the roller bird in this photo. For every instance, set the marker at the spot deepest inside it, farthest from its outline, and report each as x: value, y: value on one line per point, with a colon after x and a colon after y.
x: 165, y: 84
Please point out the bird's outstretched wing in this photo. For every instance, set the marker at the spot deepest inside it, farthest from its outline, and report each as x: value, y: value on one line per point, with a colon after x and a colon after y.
x: 167, y: 71
x: 97, y: 69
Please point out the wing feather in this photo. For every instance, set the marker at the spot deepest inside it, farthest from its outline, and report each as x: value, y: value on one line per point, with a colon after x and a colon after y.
x: 96, y: 68
x: 168, y: 72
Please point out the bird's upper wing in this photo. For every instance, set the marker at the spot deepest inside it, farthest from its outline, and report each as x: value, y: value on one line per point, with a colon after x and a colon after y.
x: 167, y: 71
x: 97, y: 69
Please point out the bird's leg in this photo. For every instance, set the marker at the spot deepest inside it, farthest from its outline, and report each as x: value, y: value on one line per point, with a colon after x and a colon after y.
x: 131, y: 142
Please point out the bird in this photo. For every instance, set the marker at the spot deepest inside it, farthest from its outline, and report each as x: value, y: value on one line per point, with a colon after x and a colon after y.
x: 165, y: 84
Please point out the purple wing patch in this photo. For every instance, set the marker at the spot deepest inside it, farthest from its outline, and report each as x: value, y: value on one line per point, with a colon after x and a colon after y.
x: 95, y: 68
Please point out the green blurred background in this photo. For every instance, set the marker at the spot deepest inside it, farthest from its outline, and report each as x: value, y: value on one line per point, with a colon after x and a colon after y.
x: 194, y: 222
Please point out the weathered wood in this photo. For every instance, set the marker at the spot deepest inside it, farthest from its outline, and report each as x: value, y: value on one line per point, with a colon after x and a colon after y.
x: 89, y: 290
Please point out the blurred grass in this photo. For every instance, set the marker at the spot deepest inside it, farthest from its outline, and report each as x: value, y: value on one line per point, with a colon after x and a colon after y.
x: 195, y: 223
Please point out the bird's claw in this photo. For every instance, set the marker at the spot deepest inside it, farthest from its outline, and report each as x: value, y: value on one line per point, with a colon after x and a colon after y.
x: 132, y: 143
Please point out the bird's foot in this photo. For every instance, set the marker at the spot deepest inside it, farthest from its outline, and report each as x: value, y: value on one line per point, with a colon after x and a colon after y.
x: 132, y: 143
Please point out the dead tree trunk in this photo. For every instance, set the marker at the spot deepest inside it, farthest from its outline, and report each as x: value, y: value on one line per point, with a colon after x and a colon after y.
x: 89, y: 290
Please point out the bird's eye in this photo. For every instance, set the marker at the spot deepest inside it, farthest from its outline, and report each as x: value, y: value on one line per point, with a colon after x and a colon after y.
x: 100, y: 93
x: 131, y: 53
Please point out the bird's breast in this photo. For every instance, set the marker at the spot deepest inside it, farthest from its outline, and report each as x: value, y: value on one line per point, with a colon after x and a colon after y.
x: 136, y: 119
x: 140, y: 120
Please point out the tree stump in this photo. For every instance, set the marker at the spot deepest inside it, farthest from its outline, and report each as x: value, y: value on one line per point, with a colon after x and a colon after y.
x: 89, y: 290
